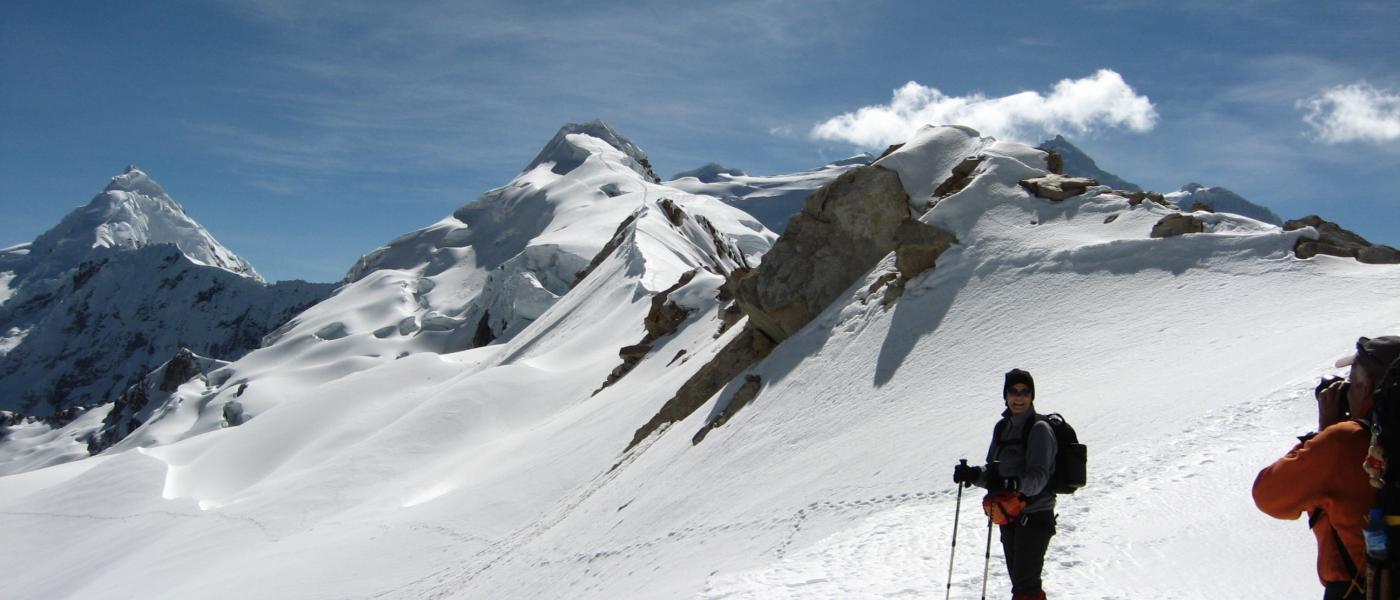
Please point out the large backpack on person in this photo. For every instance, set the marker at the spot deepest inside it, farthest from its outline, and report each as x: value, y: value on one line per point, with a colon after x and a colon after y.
x: 1383, y: 571
x: 1071, y: 457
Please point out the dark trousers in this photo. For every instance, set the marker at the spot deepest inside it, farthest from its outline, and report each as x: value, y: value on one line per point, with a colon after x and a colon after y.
x: 1024, y: 544
x: 1342, y: 590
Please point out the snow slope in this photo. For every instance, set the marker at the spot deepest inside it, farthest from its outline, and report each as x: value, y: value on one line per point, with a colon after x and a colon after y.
x: 495, y: 472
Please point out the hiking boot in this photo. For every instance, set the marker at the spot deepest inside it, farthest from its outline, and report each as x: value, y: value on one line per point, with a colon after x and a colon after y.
x: 1036, y: 596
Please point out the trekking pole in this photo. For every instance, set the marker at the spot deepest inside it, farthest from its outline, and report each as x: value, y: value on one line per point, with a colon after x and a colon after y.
x: 957, y: 512
x: 987, y: 562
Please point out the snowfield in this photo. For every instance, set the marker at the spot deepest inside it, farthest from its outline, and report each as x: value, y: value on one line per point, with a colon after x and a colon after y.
x: 383, y: 460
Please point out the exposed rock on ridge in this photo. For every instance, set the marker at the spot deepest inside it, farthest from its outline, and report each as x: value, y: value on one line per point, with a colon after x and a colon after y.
x: 1333, y: 240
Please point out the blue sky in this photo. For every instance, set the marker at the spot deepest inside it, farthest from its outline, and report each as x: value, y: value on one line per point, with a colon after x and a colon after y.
x: 304, y: 134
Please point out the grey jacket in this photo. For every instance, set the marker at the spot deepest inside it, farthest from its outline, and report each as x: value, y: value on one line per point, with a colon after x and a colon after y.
x: 1031, y: 463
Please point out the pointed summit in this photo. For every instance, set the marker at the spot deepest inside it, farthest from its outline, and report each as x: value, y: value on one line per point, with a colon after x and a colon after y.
x: 132, y: 212
x: 571, y: 146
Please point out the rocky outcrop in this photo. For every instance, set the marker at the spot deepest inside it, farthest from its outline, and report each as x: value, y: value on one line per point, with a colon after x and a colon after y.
x: 141, y: 401
x: 619, y: 236
x: 664, y: 318
x: 962, y: 175
x: 1176, y: 224
x: 1136, y: 198
x: 1057, y: 187
x: 917, y: 246
x: 1333, y: 240
x: 1199, y: 206
x: 747, y: 348
x: 841, y: 232
x: 181, y: 368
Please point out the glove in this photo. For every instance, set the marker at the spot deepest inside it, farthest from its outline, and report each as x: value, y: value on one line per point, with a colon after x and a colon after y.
x: 1004, y: 484
x: 966, y: 475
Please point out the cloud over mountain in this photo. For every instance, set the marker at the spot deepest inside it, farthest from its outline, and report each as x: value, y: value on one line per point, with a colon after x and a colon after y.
x: 1102, y: 100
x: 1354, y: 113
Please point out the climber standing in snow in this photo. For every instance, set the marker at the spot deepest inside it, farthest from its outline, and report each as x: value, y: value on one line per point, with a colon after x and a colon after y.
x: 1020, y: 463
x: 1323, y: 475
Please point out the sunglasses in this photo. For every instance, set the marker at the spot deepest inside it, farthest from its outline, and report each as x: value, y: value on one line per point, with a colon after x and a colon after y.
x: 1019, y: 391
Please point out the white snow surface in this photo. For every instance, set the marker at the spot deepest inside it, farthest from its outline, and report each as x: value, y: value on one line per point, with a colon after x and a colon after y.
x: 133, y: 212
x: 494, y: 472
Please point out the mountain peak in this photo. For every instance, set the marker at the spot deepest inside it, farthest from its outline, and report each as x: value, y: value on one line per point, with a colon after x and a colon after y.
x: 1078, y: 164
x: 132, y: 212
x: 566, y: 152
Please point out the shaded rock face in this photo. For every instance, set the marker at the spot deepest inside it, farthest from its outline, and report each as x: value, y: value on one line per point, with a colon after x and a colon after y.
x: 1177, y: 224
x: 841, y: 232
x: 181, y: 368
x: 1333, y: 240
x: 1058, y: 187
x: 918, y: 245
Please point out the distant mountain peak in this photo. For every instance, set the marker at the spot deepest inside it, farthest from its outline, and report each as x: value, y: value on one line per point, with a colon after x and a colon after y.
x: 566, y: 155
x: 132, y: 212
x: 710, y: 173
x: 1079, y: 164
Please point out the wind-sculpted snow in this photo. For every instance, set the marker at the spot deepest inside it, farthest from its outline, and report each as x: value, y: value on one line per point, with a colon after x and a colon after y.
x: 374, y: 467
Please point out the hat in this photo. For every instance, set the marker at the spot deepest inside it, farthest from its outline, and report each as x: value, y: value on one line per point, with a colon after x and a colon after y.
x: 1374, y: 354
x: 1016, y: 376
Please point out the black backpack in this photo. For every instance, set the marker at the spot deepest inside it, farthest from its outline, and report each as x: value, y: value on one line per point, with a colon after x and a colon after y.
x: 1387, y: 433
x: 1071, y: 457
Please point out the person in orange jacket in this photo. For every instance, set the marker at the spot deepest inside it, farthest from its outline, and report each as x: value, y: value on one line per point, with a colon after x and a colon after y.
x: 1322, y: 475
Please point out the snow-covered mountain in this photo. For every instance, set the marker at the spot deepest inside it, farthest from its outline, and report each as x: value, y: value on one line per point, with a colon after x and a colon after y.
x: 686, y: 419
x: 132, y: 213
x: 115, y: 289
x: 773, y: 199
x: 1220, y: 199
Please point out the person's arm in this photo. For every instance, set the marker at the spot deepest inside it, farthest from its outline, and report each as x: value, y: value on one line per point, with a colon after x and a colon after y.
x: 1040, y: 459
x: 1296, y: 483
x: 983, y: 481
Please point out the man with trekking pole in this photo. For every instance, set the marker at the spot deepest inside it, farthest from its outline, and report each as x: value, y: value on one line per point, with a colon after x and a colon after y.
x: 1333, y: 476
x: 1018, y: 477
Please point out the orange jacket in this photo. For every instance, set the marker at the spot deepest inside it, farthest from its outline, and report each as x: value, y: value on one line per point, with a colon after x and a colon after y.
x: 1324, y: 472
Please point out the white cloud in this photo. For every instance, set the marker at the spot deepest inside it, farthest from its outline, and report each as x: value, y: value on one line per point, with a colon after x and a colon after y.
x: 1073, y: 106
x: 1354, y: 113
